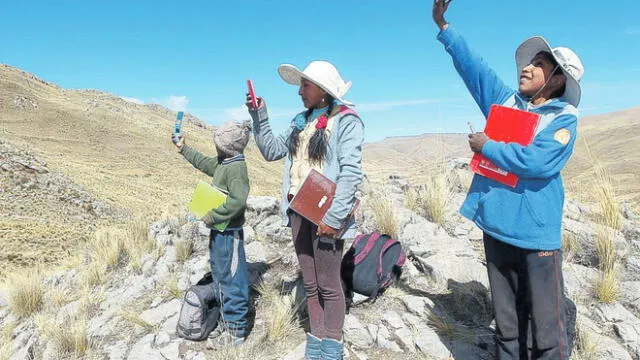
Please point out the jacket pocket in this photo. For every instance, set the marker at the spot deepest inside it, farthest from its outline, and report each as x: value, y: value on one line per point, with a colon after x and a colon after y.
x: 539, y: 220
x: 507, y: 214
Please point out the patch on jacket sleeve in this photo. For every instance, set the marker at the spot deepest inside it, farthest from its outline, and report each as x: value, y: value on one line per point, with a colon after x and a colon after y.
x: 562, y: 136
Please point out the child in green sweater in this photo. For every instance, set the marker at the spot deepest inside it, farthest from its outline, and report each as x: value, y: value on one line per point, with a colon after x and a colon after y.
x: 226, y: 248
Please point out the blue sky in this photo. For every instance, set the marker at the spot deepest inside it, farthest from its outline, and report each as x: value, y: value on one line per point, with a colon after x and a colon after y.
x: 199, y: 54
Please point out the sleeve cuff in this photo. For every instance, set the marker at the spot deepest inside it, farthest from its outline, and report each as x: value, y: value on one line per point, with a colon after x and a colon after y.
x: 331, y: 221
x: 489, y: 148
x: 447, y: 36
x: 259, y: 115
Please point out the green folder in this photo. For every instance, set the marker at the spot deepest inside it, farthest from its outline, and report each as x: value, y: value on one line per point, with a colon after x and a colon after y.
x: 206, y: 198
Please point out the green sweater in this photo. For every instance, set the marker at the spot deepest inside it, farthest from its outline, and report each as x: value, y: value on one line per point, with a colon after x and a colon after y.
x: 230, y: 176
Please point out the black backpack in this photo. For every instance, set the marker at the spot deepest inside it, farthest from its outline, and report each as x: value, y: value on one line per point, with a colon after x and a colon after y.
x: 372, y: 264
x: 200, y: 311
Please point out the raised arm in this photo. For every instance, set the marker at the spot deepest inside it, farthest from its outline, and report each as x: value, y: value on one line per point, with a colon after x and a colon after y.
x: 271, y: 146
x: 482, y: 82
x: 206, y: 164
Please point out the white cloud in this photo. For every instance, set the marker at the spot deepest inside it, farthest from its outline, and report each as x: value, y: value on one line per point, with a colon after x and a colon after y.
x: 173, y: 102
x: 237, y: 113
x: 133, y: 100
x: 177, y: 103
x: 387, y: 105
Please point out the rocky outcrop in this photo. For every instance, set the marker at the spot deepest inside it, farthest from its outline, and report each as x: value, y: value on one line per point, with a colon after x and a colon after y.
x: 439, y: 309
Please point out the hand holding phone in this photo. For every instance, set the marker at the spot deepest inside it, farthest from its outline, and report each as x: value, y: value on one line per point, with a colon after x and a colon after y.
x: 252, y: 94
x: 177, y: 129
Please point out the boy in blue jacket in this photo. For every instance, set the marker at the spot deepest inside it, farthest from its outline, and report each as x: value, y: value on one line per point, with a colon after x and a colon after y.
x: 522, y: 225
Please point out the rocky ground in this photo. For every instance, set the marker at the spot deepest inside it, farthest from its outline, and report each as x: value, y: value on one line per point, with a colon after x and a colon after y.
x: 440, y: 309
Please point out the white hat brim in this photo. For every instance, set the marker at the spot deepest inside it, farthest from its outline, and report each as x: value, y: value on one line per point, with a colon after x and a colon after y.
x: 292, y: 75
x: 530, y: 48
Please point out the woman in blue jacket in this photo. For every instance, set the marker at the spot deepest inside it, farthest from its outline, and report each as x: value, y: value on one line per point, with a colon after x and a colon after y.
x: 522, y: 225
x: 326, y: 137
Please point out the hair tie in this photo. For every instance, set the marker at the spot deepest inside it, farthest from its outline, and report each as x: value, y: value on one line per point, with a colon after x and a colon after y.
x: 322, y: 122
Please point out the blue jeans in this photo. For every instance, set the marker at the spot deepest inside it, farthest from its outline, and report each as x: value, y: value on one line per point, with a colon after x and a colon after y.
x: 229, y: 269
x: 527, y: 284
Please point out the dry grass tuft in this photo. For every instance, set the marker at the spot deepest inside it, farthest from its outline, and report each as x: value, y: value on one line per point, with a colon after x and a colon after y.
x: 585, y: 347
x: 449, y: 329
x: 5, y: 351
x: 70, y: 337
x: 6, y: 334
x: 138, y: 242
x: 108, y: 247
x: 171, y: 289
x: 441, y: 325
x: 570, y: 245
x: 382, y: 207
x: 90, y: 299
x: 436, y: 196
x: 432, y: 199
x: 607, y: 287
x: 59, y: 297
x: 394, y: 292
x: 94, y: 274
x: 280, y: 320
x: 280, y: 312
x: 606, y: 248
x: 134, y: 318
x: 605, y: 191
x: 25, y: 292
x: 184, y: 249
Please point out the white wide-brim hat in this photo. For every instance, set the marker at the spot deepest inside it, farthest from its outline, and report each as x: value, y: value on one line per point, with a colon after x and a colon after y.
x: 321, y: 73
x: 567, y: 59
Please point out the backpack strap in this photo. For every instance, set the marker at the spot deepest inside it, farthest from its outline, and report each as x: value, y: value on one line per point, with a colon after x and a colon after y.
x: 382, y: 282
x: 358, y: 238
x: 371, y: 242
x: 345, y: 110
x: 390, y: 242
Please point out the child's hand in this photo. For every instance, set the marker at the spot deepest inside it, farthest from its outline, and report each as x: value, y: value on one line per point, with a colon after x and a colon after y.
x: 178, y: 141
x: 208, y: 220
x: 326, y: 230
x: 439, y: 8
x: 477, y: 140
x: 249, y: 104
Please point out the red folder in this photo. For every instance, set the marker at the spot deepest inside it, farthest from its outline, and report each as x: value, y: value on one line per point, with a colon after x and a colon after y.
x: 314, y: 198
x: 507, y: 125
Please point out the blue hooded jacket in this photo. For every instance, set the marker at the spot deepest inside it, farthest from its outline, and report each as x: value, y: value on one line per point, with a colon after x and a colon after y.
x: 530, y: 215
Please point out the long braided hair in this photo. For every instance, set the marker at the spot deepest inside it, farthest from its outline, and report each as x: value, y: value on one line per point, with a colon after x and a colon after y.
x: 317, y: 148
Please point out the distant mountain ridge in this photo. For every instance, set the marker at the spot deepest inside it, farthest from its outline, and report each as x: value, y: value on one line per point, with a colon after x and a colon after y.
x: 613, y: 139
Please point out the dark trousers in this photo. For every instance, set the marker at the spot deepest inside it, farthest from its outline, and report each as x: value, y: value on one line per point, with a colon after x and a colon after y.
x: 527, y: 284
x: 320, y: 260
x: 231, y: 279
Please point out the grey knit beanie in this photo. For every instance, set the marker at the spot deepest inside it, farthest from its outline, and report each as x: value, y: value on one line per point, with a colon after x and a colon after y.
x: 232, y: 137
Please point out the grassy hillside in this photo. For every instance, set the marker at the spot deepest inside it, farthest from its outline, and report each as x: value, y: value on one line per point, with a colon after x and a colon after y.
x: 75, y: 160
x: 613, y: 139
x: 117, y: 151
